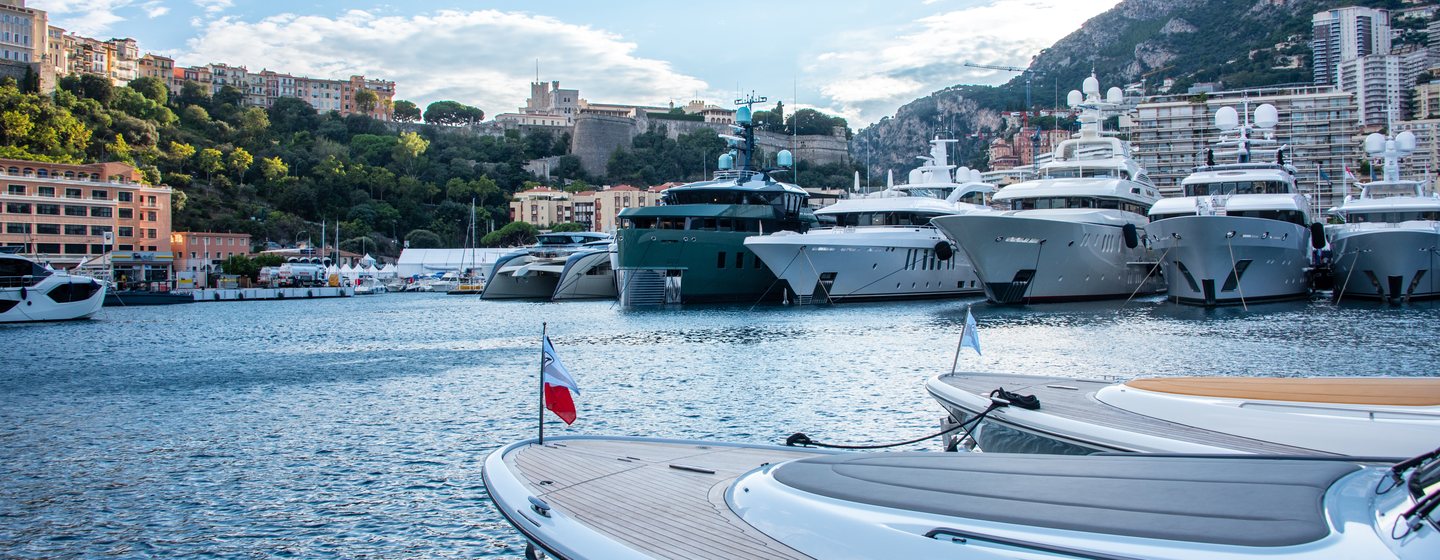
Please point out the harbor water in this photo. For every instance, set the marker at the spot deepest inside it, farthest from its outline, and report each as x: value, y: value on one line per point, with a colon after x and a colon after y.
x: 357, y: 427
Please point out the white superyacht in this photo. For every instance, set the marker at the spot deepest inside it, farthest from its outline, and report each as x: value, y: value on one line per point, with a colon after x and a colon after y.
x: 1389, y: 245
x: 1075, y: 232
x: 1241, y: 233
x: 882, y: 246
x: 30, y: 292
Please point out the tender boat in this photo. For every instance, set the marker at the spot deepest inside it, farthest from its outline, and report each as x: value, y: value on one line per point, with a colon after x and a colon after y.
x: 534, y: 272
x: 589, y: 273
x: 1242, y: 231
x: 1356, y: 416
x: 882, y: 246
x: 691, y: 248
x: 1073, y: 234
x: 30, y: 292
x: 587, y: 497
x: 1389, y: 244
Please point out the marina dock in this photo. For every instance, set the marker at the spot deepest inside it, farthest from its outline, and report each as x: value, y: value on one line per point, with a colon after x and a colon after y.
x: 243, y: 294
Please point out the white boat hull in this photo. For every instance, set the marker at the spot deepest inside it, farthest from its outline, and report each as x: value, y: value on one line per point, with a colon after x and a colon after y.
x: 866, y: 263
x: 1381, y: 261
x: 1023, y: 259
x: 1230, y: 260
x: 34, y: 304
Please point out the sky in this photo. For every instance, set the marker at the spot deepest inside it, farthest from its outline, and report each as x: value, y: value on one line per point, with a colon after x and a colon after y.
x: 858, y: 59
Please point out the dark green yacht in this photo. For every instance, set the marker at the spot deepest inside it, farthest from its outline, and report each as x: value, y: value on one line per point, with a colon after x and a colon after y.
x: 691, y: 248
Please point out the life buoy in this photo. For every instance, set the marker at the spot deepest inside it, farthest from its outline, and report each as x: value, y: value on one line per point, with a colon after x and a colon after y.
x: 309, y: 293
x: 239, y: 295
x: 943, y: 251
x: 1132, y: 236
x: 1317, y: 235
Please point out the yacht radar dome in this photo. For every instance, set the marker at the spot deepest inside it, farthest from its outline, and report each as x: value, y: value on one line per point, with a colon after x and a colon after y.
x: 1226, y: 118
x: 1375, y: 143
x: 1405, y: 141
x: 1114, y: 95
x: 1091, y: 85
x: 742, y: 115
x: 727, y: 162
x: 785, y: 159
x: 1266, y: 116
x: 1074, y: 98
x: 976, y: 177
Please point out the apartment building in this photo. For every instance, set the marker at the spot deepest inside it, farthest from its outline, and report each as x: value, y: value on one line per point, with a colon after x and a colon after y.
x: 1427, y: 100
x: 205, y: 251
x: 1319, y: 124
x: 66, y: 213
x: 542, y: 207
x: 1425, y: 161
x: 22, y: 39
x: 1375, y: 82
x: 1345, y: 33
x: 596, y: 210
x: 262, y: 89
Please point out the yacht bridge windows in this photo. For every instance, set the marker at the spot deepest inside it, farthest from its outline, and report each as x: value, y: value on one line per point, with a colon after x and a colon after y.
x: 1392, y: 217
x: 1086, y: 173
x: 1053, y: 202
x: 746, y: 225
x: 897, y: 218
x: 788, y: 202
x: 1237, y: 187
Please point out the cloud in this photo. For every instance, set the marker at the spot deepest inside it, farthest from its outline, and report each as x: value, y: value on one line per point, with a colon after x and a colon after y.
x: 154, y: 9
x: 213, y: 7
x: 889, y: 67
x: 486, y: 58
x: 86, y: 17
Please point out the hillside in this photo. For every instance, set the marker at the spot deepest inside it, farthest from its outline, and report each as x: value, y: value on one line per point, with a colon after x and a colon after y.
x: 1241, y: 43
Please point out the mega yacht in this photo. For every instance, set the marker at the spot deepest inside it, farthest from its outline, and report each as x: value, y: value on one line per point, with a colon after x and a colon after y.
x: 589, y: 273
x: 1241, y: 233
x: 691, y: 248
x: 534, y: 272
x: 30, y: 292
x: 1075, y: 232
x: 882, y: 246
x: 1389, y: 244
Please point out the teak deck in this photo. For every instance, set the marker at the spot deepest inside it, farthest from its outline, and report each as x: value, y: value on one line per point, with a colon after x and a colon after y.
x: 633, y: 493
x: 1075, y: 399
x: 1384, y: 391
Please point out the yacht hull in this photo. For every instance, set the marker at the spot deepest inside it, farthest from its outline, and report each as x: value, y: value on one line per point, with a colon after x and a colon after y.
x: 877, y: 263
x: 47, y: 301
x: 1021, y: 259
x: 1390, y: 263
x: 586, y: 276
x: 1230, y: 260
x: 690, y: 266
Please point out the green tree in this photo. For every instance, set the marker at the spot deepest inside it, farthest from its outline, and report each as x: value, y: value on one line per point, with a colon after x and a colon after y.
x: 118, y: 148
x: 254, y: 121
x: 210, y: 161
x: 365, y: 101
x: 514, y: 234
x: 273, y: 169
x: 241, y: 265
x: 423, y: 239
x: 180, y: 152
x: 406, y: 111
x: 452, y: 113
x: 240, y: 161
x: 409, y: 149
x: 151, y: 88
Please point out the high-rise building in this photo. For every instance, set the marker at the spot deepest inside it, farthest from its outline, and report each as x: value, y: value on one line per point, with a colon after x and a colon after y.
x: 1345, y: 33
x: 1425, y: 161
x: 1427, y: 100
x: 1319, y: 124
x: 1375, y: 82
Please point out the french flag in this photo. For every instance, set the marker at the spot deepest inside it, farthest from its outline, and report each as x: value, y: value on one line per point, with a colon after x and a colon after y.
x: 558, y: 384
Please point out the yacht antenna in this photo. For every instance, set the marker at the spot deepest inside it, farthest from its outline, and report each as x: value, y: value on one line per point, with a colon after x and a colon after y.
x: 748, y: 129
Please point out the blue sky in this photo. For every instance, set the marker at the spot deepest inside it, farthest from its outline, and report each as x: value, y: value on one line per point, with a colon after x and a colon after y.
x: 858, y: 59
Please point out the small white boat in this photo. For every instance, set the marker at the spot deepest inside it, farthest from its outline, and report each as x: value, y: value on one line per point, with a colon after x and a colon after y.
x: 368, y: 285
x: 30, y: 292
x: 612, y: 498
x: 1389, y: 246
x: 1355, y: 416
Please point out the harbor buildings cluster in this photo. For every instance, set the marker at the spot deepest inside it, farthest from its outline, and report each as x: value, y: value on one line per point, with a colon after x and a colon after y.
x: 599, y: 210
x: 31, y: 47
x: 552, y: 106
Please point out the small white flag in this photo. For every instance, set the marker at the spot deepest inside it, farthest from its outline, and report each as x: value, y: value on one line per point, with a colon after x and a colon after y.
x: 970, y: 336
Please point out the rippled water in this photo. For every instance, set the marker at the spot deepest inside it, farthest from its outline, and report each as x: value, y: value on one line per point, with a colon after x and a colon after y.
x: 357, y: 427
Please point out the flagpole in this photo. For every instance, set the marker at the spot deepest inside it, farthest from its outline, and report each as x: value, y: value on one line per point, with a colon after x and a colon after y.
x: 541, y: 417
x: 961, y: 345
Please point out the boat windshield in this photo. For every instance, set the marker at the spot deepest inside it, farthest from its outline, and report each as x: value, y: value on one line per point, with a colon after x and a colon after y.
x: 1085, y: 172
x: 14, y: 273
x: 930, y: 192
x: 884, y: 218
x: 554, y: 239
x: 1423, y: 482
x: 1050, y: 202
x: 1236, y: 187
x: 1387, y: 191
x: 1391, y: 217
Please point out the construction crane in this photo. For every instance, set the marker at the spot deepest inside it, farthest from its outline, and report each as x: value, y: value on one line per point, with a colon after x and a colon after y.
x: 1026, y: 73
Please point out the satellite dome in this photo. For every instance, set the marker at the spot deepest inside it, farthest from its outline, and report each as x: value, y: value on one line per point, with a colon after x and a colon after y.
x: 1405, y: 141
x: 1266, y: 116
x: 1074, y: 98
x: 727, y: 161
x: 1375, y: 143
x: 1114, y: 95
x: 1226, y: 118
x: 975, y: 176
x: 742, y: 115
x: 785, y: 159
x: 962, y: 174
x: 1091, y: 86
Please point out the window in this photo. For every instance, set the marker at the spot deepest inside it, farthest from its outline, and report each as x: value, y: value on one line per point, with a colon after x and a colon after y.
x: 76, y: 211
x: 99, y: 230
x: 151, y: 216
x: 17, y: 190
x: 127, y: 213
x: 151, y: 233
x: 720, y: 260
x: 127, y: 231
x: 46, y: 191
x: 14, y: 227
x: 75, y: 248
x: 740, y: 259
x: 72, y: 193
x: 97, y: 249
x: 17, y: 208
x: 123, y: 196
x: 47, y: 229
x: 74, y: 229
x: 99, y: 195
x: 102, y: 212
x: 51, y: 248
x: 47, y: 209
x: 125, y: 247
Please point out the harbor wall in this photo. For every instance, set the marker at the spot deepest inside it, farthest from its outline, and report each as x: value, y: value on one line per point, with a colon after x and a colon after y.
x: 242, y: 294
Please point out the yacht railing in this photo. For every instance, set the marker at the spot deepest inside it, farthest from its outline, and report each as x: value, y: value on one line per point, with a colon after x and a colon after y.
x: 738, y: 175
x: 20, y: 281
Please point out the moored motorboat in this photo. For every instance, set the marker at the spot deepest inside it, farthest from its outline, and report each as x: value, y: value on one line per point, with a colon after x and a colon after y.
x: 1358, y: 416
x: 1075, y: 233
x: 882, y: 246
x: 1242, y: 231
x: 589, y: 273
x: 534, y: 272
x: 588, y: 497
x: 1389, y: 244
x: 31, y: 293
